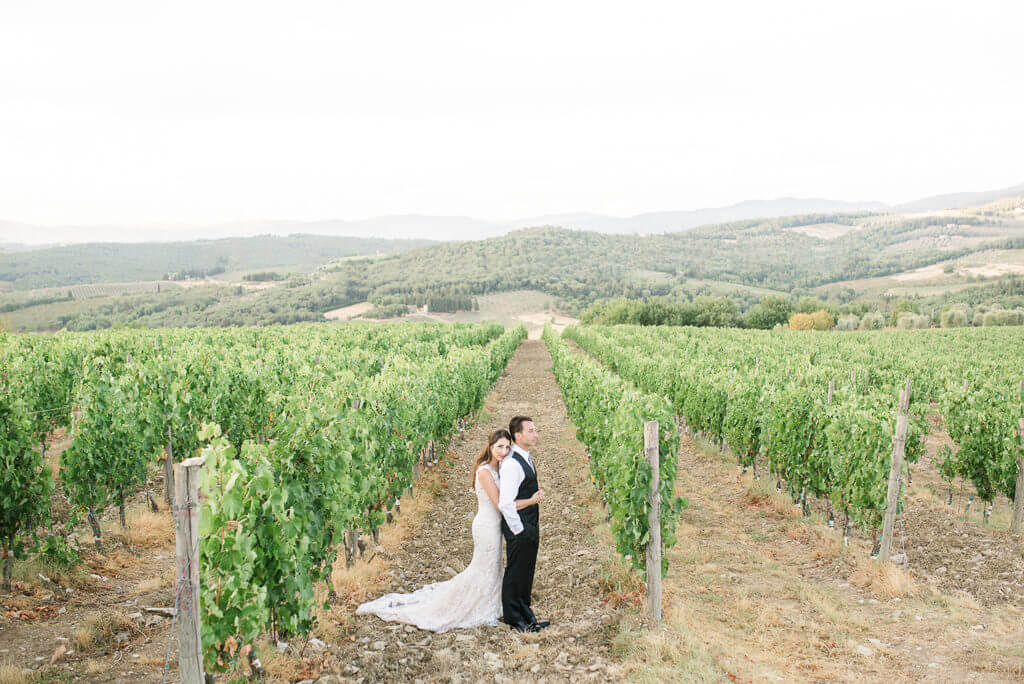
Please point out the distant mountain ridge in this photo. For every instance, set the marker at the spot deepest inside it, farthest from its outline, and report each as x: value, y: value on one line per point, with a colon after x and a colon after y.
x: 960, y: 199
x: 459, y: 228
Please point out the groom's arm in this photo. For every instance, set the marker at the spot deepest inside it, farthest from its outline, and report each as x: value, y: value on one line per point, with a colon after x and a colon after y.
x: 512, y: 476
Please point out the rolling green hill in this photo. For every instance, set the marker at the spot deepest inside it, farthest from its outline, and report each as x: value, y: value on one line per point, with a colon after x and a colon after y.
x: 779, y: 255
x: 102, y: 262
x: 842, y: 257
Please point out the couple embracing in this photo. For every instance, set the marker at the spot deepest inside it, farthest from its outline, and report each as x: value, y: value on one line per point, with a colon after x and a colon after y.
x: 508, y: 498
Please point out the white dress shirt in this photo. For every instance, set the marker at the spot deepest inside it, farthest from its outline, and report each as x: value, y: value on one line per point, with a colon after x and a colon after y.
x: 512, y: 477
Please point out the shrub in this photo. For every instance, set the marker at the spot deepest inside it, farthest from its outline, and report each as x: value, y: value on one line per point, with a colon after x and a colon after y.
x: 872, y: 321
x: 822, y: 320
x: 1003, y: 317
x: 909, y: 321
x: 979, y: 319
x: 801, y: 321
x: 954, y: 318
x: 850, y: 322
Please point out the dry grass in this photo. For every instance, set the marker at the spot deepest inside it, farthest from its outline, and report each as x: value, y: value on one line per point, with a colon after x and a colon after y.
x: 447, y: 662
x: 152, y: 584
x: 12, y: 674
x: 281, y: 667
x: 95, y: 667
x: 100, y: 630
x: 675, y: 653
x: 360, y: 580
x: 826, y: 604
x: 151, y: 530
x: 621, y: 583
x: 884, y: 580
x: 761, y: 493
x: 827, y: 547
x: 414, y: 507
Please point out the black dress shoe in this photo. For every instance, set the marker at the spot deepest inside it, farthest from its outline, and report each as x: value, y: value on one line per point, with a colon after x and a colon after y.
x: 541, y: 624
x: 525, y: 627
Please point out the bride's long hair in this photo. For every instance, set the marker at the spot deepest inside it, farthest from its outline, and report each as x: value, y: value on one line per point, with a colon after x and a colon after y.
x: 485, y: 454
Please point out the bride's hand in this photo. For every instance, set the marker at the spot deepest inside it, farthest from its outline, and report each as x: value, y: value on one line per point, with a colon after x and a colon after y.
x: 539, y: 496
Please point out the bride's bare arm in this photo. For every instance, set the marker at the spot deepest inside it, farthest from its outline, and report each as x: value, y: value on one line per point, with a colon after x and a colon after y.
x: 487, y: 482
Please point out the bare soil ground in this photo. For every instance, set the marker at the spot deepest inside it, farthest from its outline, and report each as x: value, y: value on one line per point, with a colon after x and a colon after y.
x: 348, y: 312
x: 951, y: 544
x: 90, y: 623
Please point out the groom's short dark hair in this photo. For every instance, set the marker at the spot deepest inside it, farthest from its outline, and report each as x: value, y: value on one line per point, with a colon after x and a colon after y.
x: 515, y: 426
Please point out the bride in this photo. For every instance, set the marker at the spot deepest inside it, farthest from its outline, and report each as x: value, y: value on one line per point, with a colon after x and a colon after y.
x: 473, y: 597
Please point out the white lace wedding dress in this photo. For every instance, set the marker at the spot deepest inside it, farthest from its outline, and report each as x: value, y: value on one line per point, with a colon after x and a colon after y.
x: 471, y: 598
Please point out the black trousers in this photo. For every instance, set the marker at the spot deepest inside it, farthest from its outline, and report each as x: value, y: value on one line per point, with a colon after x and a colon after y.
x: 517, y: 585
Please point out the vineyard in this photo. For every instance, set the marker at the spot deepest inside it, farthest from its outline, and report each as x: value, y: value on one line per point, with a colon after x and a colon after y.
x: 309, y: 433
x: 820, y: 411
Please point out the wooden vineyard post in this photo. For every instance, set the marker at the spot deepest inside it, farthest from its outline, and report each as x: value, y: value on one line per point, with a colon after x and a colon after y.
x: 654, y: 522
x: 186, y: 527
x: 1018, y: 494
x: 831, y: 387
x: 892, y: 499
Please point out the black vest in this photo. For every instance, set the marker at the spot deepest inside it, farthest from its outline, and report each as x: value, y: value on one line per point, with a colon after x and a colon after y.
x: 530, y: 514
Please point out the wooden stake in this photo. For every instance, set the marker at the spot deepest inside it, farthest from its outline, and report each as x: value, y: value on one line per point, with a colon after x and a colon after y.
x: 654, y: 522
x: 1018, y: 493
x: 186, y: 527
x: 892, y: 499
x: 831, y: 387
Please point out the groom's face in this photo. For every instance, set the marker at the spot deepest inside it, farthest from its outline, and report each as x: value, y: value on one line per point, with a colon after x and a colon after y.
x: 528, y: 437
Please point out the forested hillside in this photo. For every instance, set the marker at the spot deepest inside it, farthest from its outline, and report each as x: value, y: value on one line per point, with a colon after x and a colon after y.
x: 118, y: 262
x: 783, y: 255
x: 839, y: 257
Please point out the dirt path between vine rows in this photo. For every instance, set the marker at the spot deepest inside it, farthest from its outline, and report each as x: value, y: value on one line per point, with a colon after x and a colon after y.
x: 577, y: 645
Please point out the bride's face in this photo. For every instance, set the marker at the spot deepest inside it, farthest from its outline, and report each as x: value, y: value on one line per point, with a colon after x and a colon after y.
x: 500, y: 449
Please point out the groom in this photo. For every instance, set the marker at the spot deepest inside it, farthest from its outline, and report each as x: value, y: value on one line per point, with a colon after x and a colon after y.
x: 521, y: 528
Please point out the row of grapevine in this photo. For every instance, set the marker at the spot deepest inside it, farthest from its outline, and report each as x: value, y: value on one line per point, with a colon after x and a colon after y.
x: 275, y: 512
x: 610, y: 414
x: 132, y: 399
x: 834, y: 444
x: 973, y: 377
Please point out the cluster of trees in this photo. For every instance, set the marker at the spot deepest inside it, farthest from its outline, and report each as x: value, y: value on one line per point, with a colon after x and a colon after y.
x: 720, y: 312
x: 451, y: 304
x: 805, y: 313
x: 195, y: 273
x: 819, y: 320
x: 907, y: 315
x: 263, y: 277
x: 387, y: 311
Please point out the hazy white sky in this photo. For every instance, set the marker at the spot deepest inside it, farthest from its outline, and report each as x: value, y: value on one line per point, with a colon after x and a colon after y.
x: 196, y: 112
